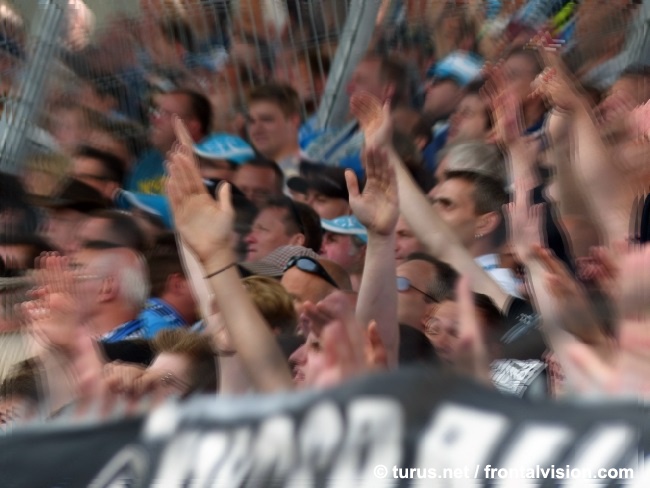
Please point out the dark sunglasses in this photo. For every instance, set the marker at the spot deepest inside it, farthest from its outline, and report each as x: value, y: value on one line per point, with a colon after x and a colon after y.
x: 311, y: 266
x: 404, y: 284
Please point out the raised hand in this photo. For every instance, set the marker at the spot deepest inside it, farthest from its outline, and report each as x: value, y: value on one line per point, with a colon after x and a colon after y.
x: 525, y: 222
x: 506, y: 107
x: 555, y: 83
x: 374, y: 119
x: 205, y: 225
x: 377, y: 208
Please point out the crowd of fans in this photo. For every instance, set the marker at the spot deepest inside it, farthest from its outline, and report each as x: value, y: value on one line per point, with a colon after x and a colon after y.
x: 483, y: 208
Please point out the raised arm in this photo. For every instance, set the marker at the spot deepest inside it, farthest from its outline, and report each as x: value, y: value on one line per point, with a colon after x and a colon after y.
x: 377, y: 209
x: 427, y: 225
x: 206, y: 226
x: 610, y: 195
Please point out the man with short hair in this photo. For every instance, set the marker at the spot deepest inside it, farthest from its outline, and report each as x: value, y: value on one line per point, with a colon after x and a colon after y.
x: 259, y: 180
x: 283, y: 222
x: 421, y: 279
x: 194, y: 109
x: 112, y: 288
x: 344, y: 242
x: 172, y: 304
x: 405, y: 241
x: 310, y: 280
x: 273, y: 124
x: 99, y: 169
x: 471, y: 204
x: 115, y: 227
x: 324, y: 189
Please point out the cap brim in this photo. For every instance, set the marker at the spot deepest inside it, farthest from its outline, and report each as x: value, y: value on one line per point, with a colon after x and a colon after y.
x: 330, y: 227
x: 238, y: 157
x: 261, y: 269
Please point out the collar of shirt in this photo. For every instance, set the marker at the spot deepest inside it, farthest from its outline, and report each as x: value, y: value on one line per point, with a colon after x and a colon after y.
x: 488, y: 261
x: 129, y: 330
x: 163, y: 308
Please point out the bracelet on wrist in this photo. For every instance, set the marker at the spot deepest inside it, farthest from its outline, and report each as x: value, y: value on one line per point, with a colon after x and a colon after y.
x: 211, y: 275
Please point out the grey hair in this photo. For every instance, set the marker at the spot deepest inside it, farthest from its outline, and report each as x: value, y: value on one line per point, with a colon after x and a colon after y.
x: 131, y: 273
x: 479, y: 158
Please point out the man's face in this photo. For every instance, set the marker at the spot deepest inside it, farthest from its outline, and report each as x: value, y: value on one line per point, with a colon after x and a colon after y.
x: 270, y: 130
x: 258, y: 184
x: 327, y: 207
x: 442, y: 331
x: 366, y: 78
x: 412, y: 306
x: 267, y: 234
x: 162, y: 134
x: 61, y: 229
x: 89, y: 277
x: 305, y: 287
x: 405, y: 241
x: 454, y: 201
x: 470, y: 120
x: 441, y: 98
x: 340, y: 249
x: 309, y: 361
x: 520, y: 74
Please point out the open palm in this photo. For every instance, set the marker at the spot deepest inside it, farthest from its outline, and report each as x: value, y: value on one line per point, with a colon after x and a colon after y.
x: 374, y: 119
x: 377, y: 208
x: 204, y: 224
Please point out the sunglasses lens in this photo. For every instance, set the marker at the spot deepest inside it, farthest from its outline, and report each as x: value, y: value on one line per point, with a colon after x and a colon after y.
x: 402, y: 284
x: 306, y: 265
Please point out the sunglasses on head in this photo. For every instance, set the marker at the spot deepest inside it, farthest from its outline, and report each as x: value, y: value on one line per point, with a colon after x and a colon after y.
x: 404, y: 284
x: 311, y: 266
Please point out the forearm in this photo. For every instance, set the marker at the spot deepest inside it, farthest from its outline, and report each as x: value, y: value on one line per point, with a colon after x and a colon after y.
x: 250, y: 334
x: 522, y: 163
x: 610, y: 194
x: 378, y: 293
x: 233, y: 377
x: 439, y: 239
x: 199, y: 286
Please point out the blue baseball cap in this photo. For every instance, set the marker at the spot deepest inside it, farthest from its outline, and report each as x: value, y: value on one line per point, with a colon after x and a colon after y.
x: 157, y: 205
x: 459, y: 66
x: 346, y: 225
x: 225, y: 146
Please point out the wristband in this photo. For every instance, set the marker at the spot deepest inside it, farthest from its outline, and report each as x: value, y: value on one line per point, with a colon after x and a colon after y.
x: 220, y: 271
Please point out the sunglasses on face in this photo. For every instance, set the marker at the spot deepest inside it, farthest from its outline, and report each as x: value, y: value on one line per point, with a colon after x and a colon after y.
x: 311, y: 266
x: 404, y: 284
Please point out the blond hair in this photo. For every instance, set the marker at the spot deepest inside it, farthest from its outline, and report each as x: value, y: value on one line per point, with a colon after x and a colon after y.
x: 273, y: 302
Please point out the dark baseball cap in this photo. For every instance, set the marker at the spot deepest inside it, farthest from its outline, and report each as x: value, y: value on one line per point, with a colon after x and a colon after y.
x: 329, y: 181
x: 73, y: 195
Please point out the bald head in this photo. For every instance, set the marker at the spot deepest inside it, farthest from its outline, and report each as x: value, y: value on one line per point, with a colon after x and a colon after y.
x: 338, y: 274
